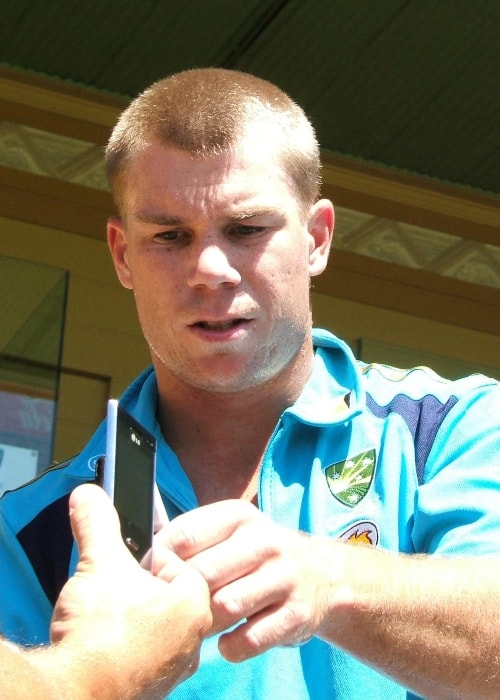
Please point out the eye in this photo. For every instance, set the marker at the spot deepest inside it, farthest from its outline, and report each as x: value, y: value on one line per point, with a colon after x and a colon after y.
x: 171, y: 236
x: 244, y: 230
x: 167, y: 235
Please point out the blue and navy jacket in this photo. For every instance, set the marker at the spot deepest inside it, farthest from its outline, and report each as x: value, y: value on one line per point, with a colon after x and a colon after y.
x: 403, y: 460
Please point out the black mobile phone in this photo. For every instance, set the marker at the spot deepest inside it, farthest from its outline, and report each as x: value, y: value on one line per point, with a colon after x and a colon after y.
x: 129, y: 477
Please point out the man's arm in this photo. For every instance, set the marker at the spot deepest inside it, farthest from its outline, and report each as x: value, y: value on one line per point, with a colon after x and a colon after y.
x: 430, y: 623
x: 117, y: 631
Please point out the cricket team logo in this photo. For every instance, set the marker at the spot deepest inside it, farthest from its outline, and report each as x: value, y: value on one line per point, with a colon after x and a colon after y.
x: 350, y: 479
x: 365, y: 533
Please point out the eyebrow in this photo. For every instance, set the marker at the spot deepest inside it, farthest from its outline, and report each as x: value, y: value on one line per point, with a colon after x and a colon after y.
x: 166, y: 220
x: 253, y: 213
x: 159, y: 219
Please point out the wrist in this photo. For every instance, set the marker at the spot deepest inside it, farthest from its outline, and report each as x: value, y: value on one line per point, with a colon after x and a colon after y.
x: 66, y: 670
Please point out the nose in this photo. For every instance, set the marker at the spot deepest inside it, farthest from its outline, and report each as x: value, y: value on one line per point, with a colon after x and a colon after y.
x: 212, y: 267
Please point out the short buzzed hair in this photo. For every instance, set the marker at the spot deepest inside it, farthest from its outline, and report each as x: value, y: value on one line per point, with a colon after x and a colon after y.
x: 208, y: 111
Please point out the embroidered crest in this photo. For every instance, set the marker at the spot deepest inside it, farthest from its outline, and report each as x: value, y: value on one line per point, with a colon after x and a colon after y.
x: 350, y: 480
x: 364, y: 532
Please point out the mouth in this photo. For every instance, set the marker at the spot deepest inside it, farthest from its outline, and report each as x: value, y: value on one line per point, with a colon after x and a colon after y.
x: 220, y: 326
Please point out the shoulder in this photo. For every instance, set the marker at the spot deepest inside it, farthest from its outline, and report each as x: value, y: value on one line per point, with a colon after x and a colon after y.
x: 418, y: 383
x: 35, y: 524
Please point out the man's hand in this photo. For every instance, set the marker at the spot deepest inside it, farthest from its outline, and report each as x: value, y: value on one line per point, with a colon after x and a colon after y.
x: 428, y: 622
x: 260, y: 574
x: 141, y: 634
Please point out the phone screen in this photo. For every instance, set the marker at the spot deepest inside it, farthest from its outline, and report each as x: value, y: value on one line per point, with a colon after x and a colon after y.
x: 131, y: 451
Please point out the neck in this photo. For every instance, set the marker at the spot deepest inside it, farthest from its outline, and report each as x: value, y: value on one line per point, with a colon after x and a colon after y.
x: 220, y: 438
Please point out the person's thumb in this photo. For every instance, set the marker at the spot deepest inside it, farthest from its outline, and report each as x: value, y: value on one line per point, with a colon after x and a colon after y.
x: 95, y: 523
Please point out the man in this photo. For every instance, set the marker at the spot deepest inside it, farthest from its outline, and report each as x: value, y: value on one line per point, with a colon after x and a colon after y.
x: 296, y: 454
x: 118, y: 632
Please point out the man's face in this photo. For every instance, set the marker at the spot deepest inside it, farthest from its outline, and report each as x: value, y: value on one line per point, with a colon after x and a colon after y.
x: 219, y: 257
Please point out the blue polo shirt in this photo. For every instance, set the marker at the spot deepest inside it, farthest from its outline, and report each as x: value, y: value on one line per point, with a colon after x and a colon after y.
x: 403, y: 460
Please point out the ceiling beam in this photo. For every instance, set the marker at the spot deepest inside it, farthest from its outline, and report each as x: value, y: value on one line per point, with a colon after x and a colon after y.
x: 55, y: 204
x: 409, y: 291
x: 60, y: 98
x: 411, y: 199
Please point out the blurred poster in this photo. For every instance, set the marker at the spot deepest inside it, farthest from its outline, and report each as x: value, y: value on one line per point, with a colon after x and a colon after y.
x: 17, y: 466
x: 26, y: 436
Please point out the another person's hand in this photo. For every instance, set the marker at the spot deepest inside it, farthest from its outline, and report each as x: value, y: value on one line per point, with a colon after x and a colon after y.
x: 141, y: 633
x: 261, y: 575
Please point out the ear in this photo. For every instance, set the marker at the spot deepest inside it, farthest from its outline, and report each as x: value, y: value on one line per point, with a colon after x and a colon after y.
x: 117, y: 243
x: 320, y: 227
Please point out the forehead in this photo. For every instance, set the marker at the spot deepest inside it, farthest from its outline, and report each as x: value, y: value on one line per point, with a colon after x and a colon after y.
x: 160, y: 175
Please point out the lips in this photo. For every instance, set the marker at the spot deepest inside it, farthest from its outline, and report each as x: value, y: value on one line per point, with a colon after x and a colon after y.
x: 220, y: 325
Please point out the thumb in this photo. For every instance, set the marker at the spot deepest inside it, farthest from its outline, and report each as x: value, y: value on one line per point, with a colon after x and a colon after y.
x: 94, y: 522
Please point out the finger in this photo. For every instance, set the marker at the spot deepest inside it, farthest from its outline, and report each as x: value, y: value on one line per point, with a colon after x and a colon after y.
x: 248, y: 597
x: 254, y: 544
x: 271, y: 627
x: 94, y: 522
x: 204, y: 527
x: 169, y: 566
x: 234, y: 558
